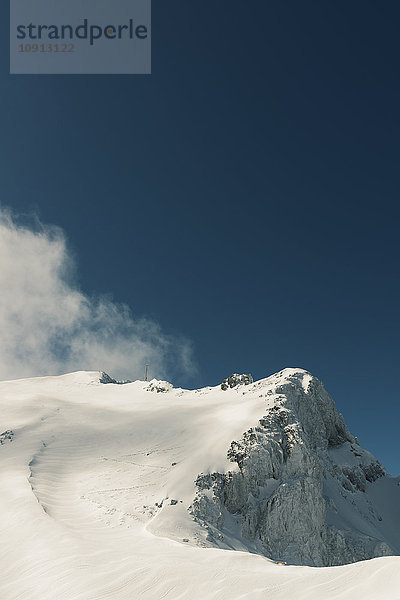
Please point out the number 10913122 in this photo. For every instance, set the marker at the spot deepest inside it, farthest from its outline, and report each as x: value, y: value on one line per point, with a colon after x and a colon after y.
x: 46, y: 48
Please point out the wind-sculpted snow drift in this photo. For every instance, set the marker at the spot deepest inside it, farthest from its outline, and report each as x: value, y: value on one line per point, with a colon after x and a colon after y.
x: 143, y: 490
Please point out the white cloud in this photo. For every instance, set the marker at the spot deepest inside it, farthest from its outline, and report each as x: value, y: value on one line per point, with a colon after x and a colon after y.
x: 48, y: 326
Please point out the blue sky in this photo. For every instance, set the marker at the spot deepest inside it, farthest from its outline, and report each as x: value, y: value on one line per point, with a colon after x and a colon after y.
x: 244, y: 196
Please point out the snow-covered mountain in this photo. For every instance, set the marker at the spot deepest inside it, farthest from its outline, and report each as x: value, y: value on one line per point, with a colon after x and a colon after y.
x: 304, y: 490
x: 142, y: 490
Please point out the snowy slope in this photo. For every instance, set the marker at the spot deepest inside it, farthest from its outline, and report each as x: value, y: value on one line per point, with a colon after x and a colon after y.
x: 98, y: 496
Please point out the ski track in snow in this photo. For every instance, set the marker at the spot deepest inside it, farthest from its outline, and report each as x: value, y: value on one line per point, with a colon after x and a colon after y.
x: 80, y: 483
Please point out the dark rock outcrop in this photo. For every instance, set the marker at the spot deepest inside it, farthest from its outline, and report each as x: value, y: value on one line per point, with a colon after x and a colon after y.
x: 236, y: 379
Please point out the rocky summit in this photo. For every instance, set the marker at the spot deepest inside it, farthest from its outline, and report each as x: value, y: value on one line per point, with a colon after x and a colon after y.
x: 301, y: 488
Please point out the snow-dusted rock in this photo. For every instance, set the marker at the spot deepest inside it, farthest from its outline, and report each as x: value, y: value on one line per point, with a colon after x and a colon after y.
x: 299, y: 487
x: 236, y: 379
x: 6, y: 436
x: 160, y: 386
x: 105, y: 378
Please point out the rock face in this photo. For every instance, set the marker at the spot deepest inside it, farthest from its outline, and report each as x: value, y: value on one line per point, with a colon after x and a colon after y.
x: 301, y: 488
